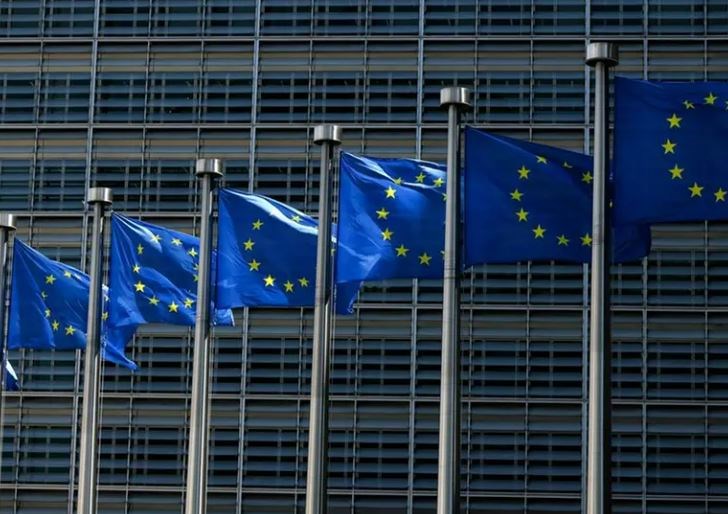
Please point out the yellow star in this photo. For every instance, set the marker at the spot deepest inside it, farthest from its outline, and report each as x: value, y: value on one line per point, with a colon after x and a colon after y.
x: 156, y: 238
x: 674, y: 121
x: 522, y: 215
x: 192, y: 252
x: 195, y: 277
x: 257, y: 224
x: 269, y: 281
x: 444, y: 197
x: 288, y: 285
x: 720, y: 195
x: 540, y: 159
x: 676, y: 172
x: 398, y: 180
x: 173, y: 307
x: 67, y: 274
x: 47, y: 313
x: 248, y: 245
x: 176, y: 242
x: 55, y: 325
x: 586, y: 240
x: 43, y: 295
x: 516, y: 195
x: 382, y: 214
x: 420, y: 178
x: 425, y: 259
x: 188, y: 303
x: 296, y: 218
x: 139, y: 287
x: 390, y: 191
x: 50, y: 279
x: 105, y: 315
x: 710, y: 99
x: 563, y: 241
x: 696, y: 190
x: 387, y: 235
x: 140, y: 249
x: 567, y: 165
x: 438, y: 182
x: 70, y: 330
x: 402, y: 251
x: 303, y: 281
x: 587, y: 177
x: 669, y: 146
x: 688, y: 104
x: 136, y: 268
x: 523, y: 173
x: 254, y: 265
x: 538, y: 232
x: 154, y: 300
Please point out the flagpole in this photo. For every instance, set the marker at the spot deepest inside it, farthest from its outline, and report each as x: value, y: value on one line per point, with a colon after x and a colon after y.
x: 7, y: 227
x: 600, y: 56
x: 98, y: 198
x: 207, y: 170
x: 456, y: 99
x: 328, y: 136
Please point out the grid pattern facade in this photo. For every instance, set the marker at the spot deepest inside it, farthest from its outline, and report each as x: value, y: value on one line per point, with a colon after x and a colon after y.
x: 127, y: 93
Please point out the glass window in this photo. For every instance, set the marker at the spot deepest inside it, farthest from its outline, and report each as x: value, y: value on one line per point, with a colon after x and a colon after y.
x: 68, y: 17
x: 124, y: 17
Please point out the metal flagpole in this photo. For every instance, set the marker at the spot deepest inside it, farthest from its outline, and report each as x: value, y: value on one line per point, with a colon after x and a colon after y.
x: 328, y: 136
x: 455, y: 99
x: 601, y: 56
x: 98, y: 198
x: 207, y: 170
x: 7, y: 226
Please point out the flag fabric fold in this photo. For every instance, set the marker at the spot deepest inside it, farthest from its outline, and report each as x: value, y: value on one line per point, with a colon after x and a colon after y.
x: 391, y: 219
x: 669, y: 151
x: 49, y: 307
x: 11, y: 378
x: 267, y: 255
x: 153, y: 276
x: 526, y: 201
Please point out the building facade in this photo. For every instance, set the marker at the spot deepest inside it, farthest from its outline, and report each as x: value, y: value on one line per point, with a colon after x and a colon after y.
x: 128, y: 93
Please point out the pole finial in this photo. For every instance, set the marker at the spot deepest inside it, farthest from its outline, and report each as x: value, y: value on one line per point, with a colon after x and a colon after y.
x: 602, y: 52
x: 327, y: 134
x: 460, y: 96
x: 102, y: 195
x: 7, y: 221
x: 212, y: 167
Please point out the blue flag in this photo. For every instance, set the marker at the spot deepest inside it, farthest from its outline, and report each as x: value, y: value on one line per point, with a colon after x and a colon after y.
x: 525, y: 201
x: 670, y: 151
x: 11, y: 378
x: 267, y: 254
x: 391, y: 219
x: 153, y: 275
x: 49, y: 307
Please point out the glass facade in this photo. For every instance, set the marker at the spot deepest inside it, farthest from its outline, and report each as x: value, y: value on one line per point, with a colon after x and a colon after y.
x: 127, y: 93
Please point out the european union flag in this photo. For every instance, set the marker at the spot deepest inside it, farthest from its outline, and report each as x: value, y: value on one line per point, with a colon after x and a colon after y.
x: 669, y: 152
x: 391, y: 219
x: 49, y: 307
x: 153, y: 275
x: 267, y: 254
x: 525, y: 201
x: 11, y: 378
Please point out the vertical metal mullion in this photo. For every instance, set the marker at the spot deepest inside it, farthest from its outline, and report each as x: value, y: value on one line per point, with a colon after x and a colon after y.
x: 142, y: 171
x: 420, y: 79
